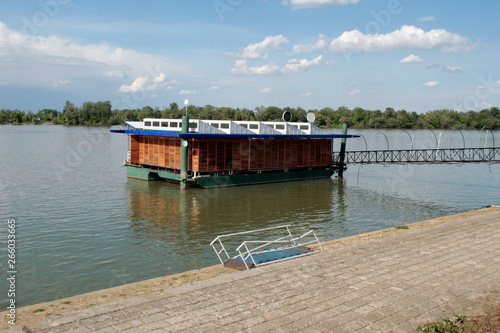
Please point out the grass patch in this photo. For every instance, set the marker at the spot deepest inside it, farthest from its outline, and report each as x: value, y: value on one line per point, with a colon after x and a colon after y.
x: 488, y: 322
x: 455, y: 324
x: 403, y: 227
x: 39, y: 310
x: 66, y: 302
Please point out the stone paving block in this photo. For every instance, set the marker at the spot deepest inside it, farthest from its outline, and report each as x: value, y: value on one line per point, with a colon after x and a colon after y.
x: 123, y: 326
x: 16, y: 329
x: 207, y: 327
x: 152, y: 326
x: 133, y: 330
x: 154, y: 317
x: 105, y: 330
x: 253, y: 321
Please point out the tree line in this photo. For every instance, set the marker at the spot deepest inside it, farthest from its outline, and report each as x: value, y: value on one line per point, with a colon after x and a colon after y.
x: 102, y: 114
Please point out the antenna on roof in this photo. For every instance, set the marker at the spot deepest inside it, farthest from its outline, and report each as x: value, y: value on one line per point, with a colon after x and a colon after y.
x: 287, y: 116
x: 311, y: 117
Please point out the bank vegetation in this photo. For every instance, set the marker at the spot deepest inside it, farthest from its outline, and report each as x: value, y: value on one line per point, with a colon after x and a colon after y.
x: 102, y: 114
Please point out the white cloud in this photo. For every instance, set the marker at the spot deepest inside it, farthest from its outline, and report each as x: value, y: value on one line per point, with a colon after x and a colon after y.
x: 454, y: 69
x: 298, y: 4
x: 261, y: 50
x: 427, y: 18
x: 430, y: 84
x: 143, y: 83
x: 60, y: 83
x: 321, y: 44
x: 265, y: 90
x: 42, y: 60
x: 485, y: 105
x: 354, y: 92
x: 292, y: 66
x: 406, y: 38
x: 241, y: 68
x: 187, y: 92
x: 295, y: 65
x: 307, y: 94
x: 213, y: 88
x: 169, y: 87
x: 411, y: 59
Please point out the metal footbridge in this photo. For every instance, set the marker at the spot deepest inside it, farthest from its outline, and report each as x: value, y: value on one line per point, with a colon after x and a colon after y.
x: 434, y: 156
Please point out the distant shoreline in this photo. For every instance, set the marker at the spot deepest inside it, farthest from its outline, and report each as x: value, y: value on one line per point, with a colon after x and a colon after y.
x: 102, y: 114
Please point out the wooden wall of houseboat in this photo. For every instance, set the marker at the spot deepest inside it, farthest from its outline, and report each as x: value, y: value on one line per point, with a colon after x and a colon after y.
x: 163, y: 152
x: 209, y: 155
x: 229, y: 154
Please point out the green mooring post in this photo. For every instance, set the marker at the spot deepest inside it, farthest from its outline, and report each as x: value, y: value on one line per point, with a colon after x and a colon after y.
x: 342, y: 152
x: 184, y: 152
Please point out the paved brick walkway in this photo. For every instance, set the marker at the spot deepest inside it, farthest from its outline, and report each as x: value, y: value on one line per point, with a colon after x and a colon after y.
x: 392, y: 284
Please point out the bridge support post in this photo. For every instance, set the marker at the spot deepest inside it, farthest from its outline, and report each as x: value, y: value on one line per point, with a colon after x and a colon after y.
x: 342, y: 152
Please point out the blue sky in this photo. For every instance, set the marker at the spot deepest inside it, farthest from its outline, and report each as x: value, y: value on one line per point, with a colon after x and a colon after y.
x: 417, y: 55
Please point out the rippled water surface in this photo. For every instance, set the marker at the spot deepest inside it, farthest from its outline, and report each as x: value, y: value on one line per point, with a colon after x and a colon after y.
x: 83, y: 226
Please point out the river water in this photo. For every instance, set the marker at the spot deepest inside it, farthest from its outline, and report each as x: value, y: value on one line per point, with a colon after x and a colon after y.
x: 82, y: 226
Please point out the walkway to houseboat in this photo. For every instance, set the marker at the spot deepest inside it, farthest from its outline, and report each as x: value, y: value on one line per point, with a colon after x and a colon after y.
x: 391, y: 284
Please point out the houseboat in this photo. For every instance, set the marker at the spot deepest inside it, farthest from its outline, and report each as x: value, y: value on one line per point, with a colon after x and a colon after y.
x: 218, y: 153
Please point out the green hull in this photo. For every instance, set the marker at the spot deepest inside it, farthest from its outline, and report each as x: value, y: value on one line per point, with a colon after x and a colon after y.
x: 148, y: 174
x: 230, y: 180
x: 262, y: 178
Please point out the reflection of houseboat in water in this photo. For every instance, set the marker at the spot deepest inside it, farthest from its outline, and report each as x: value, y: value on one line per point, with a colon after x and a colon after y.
x: 216, y: 153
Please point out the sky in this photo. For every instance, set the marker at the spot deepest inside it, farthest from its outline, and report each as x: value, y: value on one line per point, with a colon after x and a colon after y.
x: 417, y: 55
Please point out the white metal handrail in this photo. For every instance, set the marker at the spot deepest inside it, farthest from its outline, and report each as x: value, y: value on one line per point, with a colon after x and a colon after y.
x: 249, y: 252
x: 218, y: 239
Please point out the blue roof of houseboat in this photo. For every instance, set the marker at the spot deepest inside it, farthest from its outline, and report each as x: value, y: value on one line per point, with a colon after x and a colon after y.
x: 233, y: 136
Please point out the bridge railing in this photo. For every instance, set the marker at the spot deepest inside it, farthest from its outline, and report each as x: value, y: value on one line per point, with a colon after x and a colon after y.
x: 403, y: 156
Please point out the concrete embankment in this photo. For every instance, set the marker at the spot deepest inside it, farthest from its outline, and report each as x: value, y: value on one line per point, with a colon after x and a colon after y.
x: 389, y: 280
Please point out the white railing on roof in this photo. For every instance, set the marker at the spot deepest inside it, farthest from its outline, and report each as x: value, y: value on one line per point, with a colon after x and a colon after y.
x: 231, y: 127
